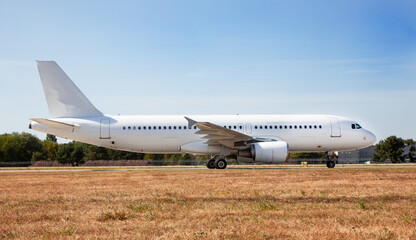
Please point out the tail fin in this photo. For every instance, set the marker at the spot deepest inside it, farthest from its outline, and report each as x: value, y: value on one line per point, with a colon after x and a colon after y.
x: 63, y: 97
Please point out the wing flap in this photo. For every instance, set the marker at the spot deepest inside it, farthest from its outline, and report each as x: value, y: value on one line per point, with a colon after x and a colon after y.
x: 215, y: 134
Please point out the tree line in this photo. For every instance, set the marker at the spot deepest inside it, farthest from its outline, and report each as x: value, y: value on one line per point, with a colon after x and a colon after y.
x: 25, y: 147
x: 393, y: 148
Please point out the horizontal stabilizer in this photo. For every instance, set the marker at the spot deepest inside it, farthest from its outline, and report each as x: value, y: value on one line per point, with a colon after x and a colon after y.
x: 54, y: 124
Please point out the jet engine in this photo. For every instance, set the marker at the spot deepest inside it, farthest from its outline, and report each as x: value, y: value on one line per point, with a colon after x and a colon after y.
x: 266, y: 152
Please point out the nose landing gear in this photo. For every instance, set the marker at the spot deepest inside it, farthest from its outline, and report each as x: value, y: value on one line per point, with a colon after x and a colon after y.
x: 330, y: 162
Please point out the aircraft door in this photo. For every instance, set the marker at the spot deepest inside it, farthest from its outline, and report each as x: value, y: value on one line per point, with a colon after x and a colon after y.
x: 248, y: 128
x: 105, y: 128
x: 335, y: 128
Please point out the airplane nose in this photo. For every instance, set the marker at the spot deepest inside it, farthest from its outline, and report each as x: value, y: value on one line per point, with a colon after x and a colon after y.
x: 371, y: 138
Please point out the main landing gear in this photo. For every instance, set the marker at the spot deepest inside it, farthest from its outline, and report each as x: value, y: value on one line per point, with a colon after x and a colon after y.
x: 216, y: 163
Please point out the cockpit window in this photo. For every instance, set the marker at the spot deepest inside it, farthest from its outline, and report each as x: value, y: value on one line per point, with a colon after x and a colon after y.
x: 355, y: 126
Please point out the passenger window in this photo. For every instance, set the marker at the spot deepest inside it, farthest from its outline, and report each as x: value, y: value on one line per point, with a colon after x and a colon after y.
x: 154, y: 127
x: 300, y: 126
x: 320, y: 126
x: 138, y: 128
x: 314, y: 126
x: 265, y: 127
x: 194, y: 127
x: 184, y: 127
x: 150, y: 128
x: 134, y: 127
x: 229, y: 127
x: 160, y: 128
x: 306, y: 127
x: 310, y: 126
x: 296, y: 127
x: 241, y: 127
x: 170, y: 127
x: 285, y: 126
x: 255, y: 127
x: 281, y: 126
x: 179, y: 127
x: 124, y: 128
x: 164, y: 127
x: 271, y: 127
x: 261, y: 127
x: 129, y: 127
x: 290, y: 126
x: 174, y: 127
x: 235, y: 127
x: 275, y: 127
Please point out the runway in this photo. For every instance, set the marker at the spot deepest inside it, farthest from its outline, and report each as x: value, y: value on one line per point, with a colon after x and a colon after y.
x: 202, y: 168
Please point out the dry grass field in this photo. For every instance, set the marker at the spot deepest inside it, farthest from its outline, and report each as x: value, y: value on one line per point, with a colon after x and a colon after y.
x: 210, y: 204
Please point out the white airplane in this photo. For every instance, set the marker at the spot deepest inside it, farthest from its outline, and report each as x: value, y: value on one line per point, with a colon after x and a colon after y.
x: 246, y: 138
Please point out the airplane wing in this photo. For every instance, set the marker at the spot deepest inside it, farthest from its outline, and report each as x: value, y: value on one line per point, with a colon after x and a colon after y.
x: 216, y: 135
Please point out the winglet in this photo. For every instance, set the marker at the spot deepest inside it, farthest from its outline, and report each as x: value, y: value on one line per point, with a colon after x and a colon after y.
x: 191, y: 122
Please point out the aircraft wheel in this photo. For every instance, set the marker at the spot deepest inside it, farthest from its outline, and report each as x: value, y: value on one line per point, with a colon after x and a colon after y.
x: 220, y: 164
x: 211, y: 163
x: 330, y: 164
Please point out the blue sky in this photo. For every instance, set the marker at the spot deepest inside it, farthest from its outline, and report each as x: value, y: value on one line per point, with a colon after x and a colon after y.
x: 351, y: 58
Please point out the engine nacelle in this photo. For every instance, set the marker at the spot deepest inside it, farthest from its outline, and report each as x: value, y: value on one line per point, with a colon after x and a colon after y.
x: 266, y: 152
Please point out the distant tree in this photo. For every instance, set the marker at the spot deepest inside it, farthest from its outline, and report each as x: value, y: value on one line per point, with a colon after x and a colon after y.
x: 307, y: 155
x: 131, y: 155
x: 50, y: 149
x: 51, y: 137
x: 412, y: 149
x: 70, y: 153
x: 95, y: 153
x: 37, y: 156
x: 390, y: 148
x: 172, y: 159
x: 77, y: 154
x: 123, y: 155
x: 201, y: 159
x: 185, y: 159
x: 64, y: 152
x: 19, y: 147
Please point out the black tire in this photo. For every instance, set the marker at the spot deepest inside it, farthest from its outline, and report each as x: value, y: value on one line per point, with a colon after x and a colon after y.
x: 211, y: 164
x: 330, y: 164
x: 220, y: 164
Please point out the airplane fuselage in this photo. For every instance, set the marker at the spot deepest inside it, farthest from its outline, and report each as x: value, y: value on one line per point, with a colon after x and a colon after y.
x: 169, y: 133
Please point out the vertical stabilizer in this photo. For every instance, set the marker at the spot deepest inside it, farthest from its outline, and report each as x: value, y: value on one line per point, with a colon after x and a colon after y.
x: 62, y: 95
